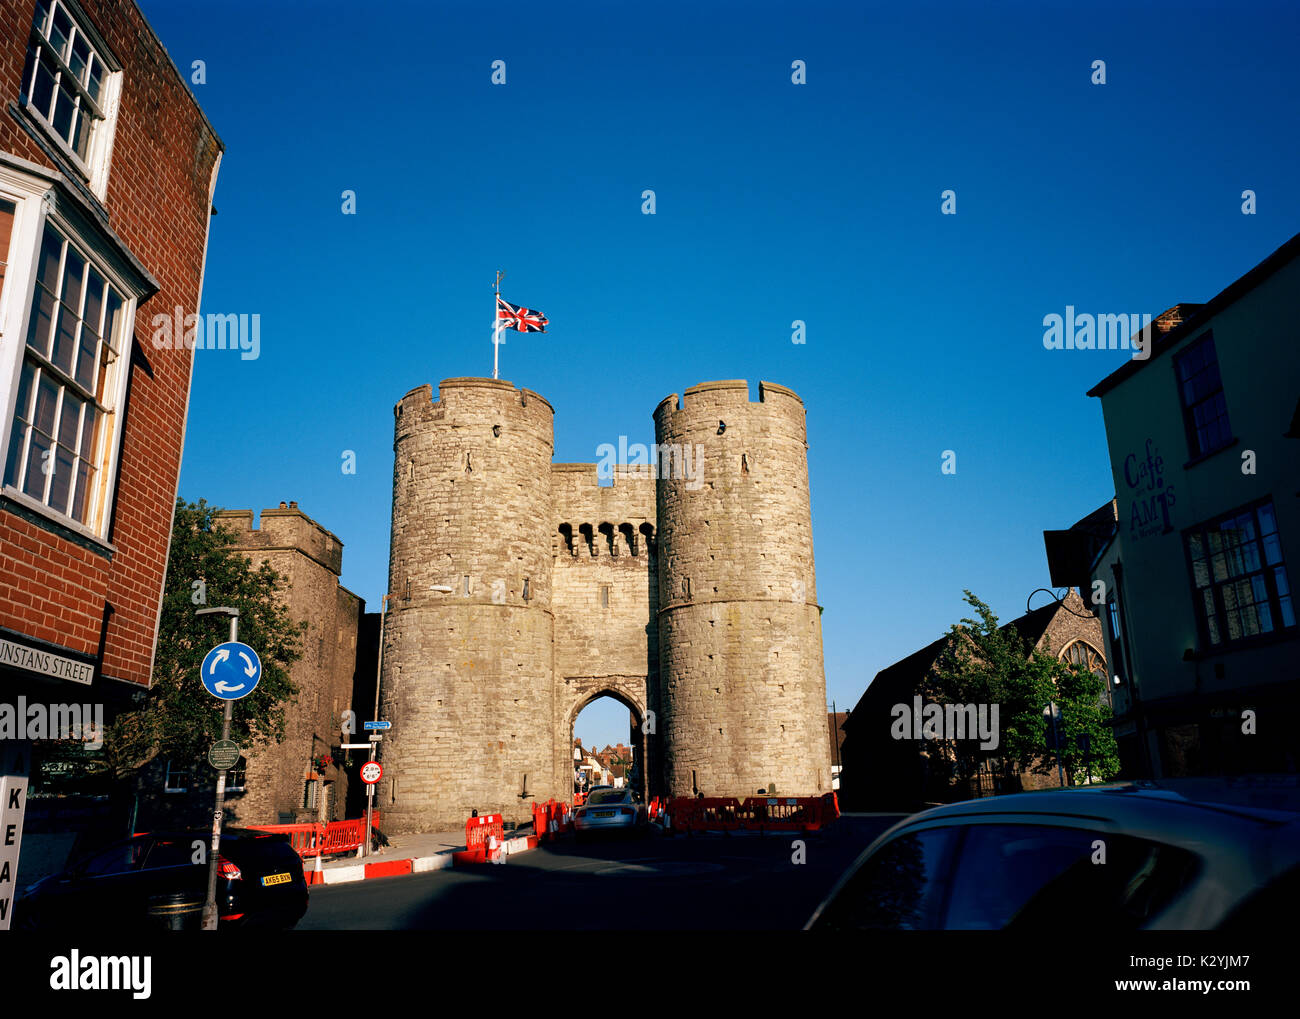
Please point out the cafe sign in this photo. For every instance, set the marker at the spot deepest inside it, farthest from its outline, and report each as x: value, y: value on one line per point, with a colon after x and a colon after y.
x: 1149, y: 497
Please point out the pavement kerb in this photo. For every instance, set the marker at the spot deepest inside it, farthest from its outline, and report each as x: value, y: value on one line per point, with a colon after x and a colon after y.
x: 337, y: 873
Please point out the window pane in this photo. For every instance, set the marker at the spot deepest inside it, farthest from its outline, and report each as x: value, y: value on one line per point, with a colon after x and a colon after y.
x: 47, y: 402
x: 1279, y: 578
x: 65, y: 101
x: 1026, y: 877
x: 95, y: 79
x: 13, y: 461
x: 1288, y: 614
x: 47, y: 270
x: 78, y: 57
x: 80, y: 499
x: 89, y: 432
x: 898, y: 888
x: 7, y: 210
x: 60, y: 30
x: 43, y: 88
x: 61, y: 480
x: 42, y: 314
x: 1267, y: 522
x: 34, y: 484
x: 69, y: 419
x: 80, y: 138
x: 65, y: 339
x: 1220, y: 567
x: 1272, y: 549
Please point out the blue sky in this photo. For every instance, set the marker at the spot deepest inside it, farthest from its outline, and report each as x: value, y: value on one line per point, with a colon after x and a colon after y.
x: 774, y: 202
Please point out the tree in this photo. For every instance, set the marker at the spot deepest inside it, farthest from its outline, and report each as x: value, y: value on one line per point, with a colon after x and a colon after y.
x: 985, y: 663
x: 178, y: 718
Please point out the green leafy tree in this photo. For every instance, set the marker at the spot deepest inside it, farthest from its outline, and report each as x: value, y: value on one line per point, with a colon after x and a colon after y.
x: 178, y: 718
x: 985, y: 663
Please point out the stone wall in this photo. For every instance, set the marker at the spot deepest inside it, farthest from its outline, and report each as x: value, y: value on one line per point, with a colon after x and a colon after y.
x: 311, y: 559
x: 742, y: 686
x: 483, y: 684
x: 468, y: 677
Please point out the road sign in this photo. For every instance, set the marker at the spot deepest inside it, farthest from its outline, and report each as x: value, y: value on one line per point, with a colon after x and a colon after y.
x: 371, y: 772
x: 379, y: 725
x: 231, y: 670
x: 224, y: 754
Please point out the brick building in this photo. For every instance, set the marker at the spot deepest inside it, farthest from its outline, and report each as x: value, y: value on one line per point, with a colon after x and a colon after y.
x: 302, y: 778
x: 883, y: 773
x: 107, y: 171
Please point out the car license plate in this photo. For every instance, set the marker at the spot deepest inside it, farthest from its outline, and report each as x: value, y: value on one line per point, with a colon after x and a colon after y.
x: 277, y: 879
x: 604, y: 813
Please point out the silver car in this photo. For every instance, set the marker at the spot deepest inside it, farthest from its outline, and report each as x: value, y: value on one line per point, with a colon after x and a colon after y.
x: 1173, y: 854
x: 607, y: 810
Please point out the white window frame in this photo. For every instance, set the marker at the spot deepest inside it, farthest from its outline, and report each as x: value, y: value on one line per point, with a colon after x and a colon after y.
x: 240, y: 771
x: 188, y: 774
x: 99, y: 153
x: 34, y: 207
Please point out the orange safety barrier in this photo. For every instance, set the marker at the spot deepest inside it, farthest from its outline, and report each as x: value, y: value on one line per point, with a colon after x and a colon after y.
x: 485, y: 838
x: 755, y: 813
x: 315, y: 839
x: 551, y: 819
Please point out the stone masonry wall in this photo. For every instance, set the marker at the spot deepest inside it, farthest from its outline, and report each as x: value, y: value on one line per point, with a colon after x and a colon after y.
x: 310, y: 558
x: 606, y: 635
x: 742, y: 686
x: 468, y: 677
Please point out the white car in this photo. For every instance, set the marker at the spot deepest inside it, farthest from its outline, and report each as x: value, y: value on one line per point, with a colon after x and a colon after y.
x: 607, y: 809
x: 1173, y: 854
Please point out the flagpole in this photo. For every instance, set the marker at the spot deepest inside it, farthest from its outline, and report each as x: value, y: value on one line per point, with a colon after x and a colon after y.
x: 496, y: 323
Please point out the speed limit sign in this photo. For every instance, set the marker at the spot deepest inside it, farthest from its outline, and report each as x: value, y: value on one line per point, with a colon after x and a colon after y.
x: 371, y: 772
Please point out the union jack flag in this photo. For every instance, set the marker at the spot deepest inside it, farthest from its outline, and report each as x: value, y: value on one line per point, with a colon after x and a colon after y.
x: 523, y: 319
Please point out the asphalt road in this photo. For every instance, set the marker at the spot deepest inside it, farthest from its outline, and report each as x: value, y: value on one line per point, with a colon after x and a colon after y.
x: 705, y: 882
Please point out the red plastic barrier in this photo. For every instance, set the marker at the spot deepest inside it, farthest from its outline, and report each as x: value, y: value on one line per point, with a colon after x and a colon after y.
x: 551, y: 819
x: 485, y: 838
x: 315, y: 839
x: 755, y: 813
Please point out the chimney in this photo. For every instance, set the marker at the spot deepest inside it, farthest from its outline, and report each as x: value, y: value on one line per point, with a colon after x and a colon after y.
x: 282, y: 505
x: 293, y: 505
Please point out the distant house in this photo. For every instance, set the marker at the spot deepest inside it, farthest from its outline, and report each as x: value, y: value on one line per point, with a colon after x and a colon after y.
x: 835, y: 725
x: 883, y: 773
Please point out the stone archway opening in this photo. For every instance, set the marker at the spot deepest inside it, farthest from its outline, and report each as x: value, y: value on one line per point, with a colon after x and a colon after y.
x: 607, y: 728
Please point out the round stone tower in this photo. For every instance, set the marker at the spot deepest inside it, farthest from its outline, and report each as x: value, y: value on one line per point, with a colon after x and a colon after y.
x: 468, y: 665
x: 742, y: 689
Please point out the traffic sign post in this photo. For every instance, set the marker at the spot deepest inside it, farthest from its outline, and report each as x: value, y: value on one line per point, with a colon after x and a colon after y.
x: 229, y: 672
x: 371, y: 772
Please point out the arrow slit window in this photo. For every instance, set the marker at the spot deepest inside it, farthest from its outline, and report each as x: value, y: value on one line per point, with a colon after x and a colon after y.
x: 69, y: 385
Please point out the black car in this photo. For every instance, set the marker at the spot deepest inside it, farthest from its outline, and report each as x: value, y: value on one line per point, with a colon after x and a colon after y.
x: 159, y: 881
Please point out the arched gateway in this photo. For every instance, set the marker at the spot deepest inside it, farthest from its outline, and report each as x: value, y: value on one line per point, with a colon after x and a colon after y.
x: 523, y: 589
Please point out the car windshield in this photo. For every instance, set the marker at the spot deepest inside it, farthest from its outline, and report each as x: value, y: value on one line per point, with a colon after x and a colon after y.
x: 607, y: 796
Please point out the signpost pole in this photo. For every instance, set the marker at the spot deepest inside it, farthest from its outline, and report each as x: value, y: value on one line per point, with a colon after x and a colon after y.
x: 370, y: 805
x: 219, y: 808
